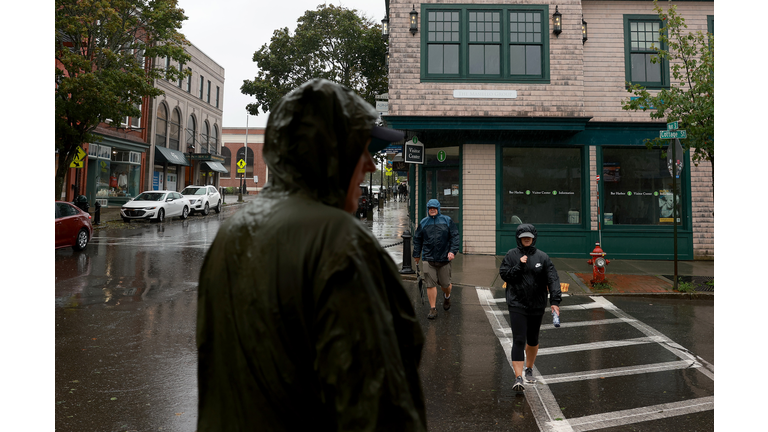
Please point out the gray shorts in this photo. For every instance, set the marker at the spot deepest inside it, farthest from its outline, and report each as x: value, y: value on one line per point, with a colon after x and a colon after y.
x: 437, y: 274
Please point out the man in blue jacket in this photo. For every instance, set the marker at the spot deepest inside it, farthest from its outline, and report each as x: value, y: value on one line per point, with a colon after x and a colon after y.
x: 437, y: 242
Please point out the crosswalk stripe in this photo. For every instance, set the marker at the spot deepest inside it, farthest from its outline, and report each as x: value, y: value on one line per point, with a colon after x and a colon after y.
x: 620, y: 371
x: 637, y: 415
x: 549, y: 417
x: 599, y: 345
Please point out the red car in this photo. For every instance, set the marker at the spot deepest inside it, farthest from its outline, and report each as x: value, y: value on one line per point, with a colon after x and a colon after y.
x: 73, y: 226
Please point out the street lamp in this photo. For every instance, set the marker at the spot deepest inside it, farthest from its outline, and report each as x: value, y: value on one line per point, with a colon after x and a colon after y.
x: 583, y: 30
x: 557, y: 22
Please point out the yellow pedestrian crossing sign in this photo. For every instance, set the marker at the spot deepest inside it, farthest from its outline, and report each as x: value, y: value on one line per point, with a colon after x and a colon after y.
x: 241, y: 166
x: 77, y: 162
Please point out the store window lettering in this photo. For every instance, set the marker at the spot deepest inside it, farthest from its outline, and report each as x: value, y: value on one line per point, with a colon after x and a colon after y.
x: 544, y: 185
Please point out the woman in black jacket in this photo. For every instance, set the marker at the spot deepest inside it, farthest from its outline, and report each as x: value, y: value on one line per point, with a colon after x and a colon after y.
x: 529, y: 274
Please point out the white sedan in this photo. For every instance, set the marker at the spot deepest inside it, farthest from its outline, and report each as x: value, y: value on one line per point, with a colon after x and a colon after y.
x: 156, y: 205
x: 202, y: 199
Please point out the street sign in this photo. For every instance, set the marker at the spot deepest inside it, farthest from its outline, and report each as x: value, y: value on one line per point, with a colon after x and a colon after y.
x: 672, y: 134
x: 672, y: 125
x: 241, y: 166
x: 414, y: 152
x: 441, y: 156
x: 77, y: 162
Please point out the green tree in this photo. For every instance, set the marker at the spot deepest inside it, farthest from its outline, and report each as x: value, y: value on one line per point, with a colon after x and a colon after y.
x: 691, y: 99
x: 332, y: 43
x: 105, y: 51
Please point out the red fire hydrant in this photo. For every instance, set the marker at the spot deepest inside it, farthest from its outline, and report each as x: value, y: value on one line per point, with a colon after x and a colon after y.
x: 598, y: 263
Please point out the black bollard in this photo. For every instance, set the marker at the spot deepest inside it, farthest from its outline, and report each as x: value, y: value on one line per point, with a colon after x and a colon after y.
x: 407, y: 254
x: 97, y: 213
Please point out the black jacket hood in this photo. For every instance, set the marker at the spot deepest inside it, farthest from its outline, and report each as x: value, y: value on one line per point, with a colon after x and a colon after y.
x: 522, y: 228
x: 314, y: 138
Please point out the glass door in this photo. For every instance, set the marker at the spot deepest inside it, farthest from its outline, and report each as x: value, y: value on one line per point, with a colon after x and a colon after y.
x: 443, y: 185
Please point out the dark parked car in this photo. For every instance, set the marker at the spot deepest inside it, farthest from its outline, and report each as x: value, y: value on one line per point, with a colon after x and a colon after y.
x: 73, y: 226
x: 364, y: 203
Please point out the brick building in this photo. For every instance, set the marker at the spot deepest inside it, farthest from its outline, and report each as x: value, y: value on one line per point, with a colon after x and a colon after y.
x: 518, y: 121
x: 234, y: 149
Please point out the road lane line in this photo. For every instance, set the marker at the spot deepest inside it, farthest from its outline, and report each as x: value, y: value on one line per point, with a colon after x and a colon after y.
x: 637, y: 415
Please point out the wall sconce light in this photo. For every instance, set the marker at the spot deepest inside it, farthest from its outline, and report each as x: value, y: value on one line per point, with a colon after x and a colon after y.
x: 414, y: 21
x: 385, y: 27
x: 583, y: 30
x: 557, y: 22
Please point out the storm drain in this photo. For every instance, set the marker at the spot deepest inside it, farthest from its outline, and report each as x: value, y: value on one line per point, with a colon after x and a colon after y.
x: 700, y: 283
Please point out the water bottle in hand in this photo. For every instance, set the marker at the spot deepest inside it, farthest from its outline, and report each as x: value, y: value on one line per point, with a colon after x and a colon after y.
x: 555, y: 319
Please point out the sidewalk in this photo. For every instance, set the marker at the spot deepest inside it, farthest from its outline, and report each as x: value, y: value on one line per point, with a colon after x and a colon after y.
x: 624, y: 276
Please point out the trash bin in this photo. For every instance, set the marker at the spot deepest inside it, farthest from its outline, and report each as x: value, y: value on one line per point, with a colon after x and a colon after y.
x: 81, y: 201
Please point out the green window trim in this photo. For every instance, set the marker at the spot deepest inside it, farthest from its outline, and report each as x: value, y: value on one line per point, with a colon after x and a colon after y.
x: 490, y: 36
x: 637, y: 48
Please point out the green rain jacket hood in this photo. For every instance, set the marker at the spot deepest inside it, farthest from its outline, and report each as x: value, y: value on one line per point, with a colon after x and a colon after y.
x: 314, y: 138
x: 303, y: 322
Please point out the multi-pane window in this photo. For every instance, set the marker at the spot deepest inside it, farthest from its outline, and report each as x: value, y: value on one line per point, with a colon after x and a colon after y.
x: 217, y: 96
x: 443, y: 42
x: 191, y: 133
x: 161, y: 126
x: 204, y: 136
x: 493, y: 43
x: 202, y: 86
x: 485, y: 43
x: 208, y: 97
x: 175, y: 130
x: 181, y: 78
x: 641, y: 41
x: 189, y: 81
x: 525, y: 43
x: 227, y: 162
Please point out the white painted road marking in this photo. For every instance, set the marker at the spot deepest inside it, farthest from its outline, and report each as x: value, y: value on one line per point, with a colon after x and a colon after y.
x: 549, y: 417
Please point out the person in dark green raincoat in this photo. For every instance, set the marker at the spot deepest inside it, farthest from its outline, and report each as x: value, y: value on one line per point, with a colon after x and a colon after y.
x: 303, y: 322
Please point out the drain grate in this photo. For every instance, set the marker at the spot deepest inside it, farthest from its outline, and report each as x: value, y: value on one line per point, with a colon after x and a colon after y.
x: 700, y: 283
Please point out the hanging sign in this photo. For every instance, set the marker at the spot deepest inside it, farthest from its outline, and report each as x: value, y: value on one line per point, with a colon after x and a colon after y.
x: 414, y: 152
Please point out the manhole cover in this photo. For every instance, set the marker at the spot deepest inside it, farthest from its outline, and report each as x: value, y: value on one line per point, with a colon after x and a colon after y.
x: 700, y: 283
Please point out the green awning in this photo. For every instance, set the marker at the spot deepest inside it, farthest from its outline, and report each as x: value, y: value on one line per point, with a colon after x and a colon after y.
x: 215, y: 166
x: 173, y: 157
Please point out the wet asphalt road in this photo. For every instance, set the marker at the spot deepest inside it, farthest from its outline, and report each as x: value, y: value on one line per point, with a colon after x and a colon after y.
x: 126, y: 359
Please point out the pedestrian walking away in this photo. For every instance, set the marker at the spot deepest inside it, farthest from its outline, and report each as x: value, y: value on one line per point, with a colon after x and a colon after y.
x: 529, y: 275
x: 436, y: 241
x: 303, y: 322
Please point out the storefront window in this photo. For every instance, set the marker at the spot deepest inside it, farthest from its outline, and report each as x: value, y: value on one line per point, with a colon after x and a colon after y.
x: 542, y: 185
x: 227, y: 161
x: 124, y: 174
x: 637, y: 187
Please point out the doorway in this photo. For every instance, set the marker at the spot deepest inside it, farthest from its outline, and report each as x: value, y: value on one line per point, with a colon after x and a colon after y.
x: 442, y: 181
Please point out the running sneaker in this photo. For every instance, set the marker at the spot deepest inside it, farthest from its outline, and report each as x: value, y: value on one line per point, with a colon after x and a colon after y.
x: 518, y: 386
x: 432, y: 313
x: 446, y: 302
x: 529, y: 376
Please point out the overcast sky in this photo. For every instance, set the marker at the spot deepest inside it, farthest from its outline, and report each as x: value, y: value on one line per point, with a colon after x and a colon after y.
x: 230, y: 31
